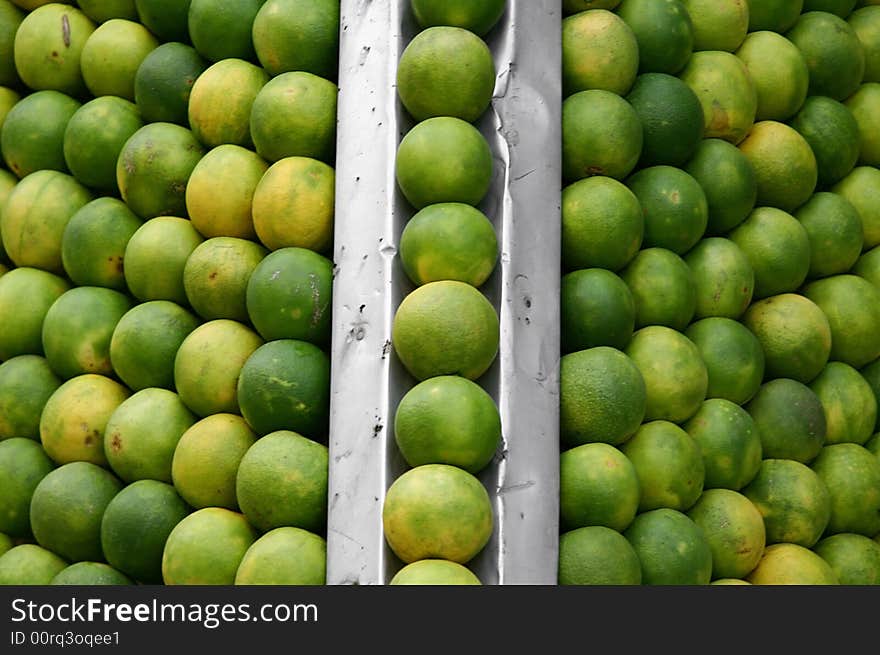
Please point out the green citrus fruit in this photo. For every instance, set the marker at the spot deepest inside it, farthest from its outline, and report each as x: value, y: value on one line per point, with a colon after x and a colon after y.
x: 729, y: 442
x: 222, y: 30
x: 112, y: 55
x: 688, y: 563
x: 791, y: 564
x: 434, y: 572
x: 664, y: 31
x: 90, y: 574
x: 854, y: 558
x: 723, y: 276
x: 718, y: 25
x: 602, y: 397
x: 779, y: 72
x: 23, y: 463
x: 598, y: 309
x: 284, y: 556
x: 596, y: 555
x: 26, y: 383
x: 849, y: 403
x: 862, y: 188
x: 27, y: 293
x: 793, y: 500
x: 476, y: 17
x: 29, y: 564
x: 599, y: 51
x: 155, y: 258
x: 790, y: 420
x: 663, y: 288
x: 447, y: 419
x: 290, y: 35
x: 32, y: 136
x: 833, y: 134
x: 163, y: 82
x: 852, y: 475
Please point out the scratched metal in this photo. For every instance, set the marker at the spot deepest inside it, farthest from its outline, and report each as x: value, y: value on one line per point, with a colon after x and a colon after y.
x: 522, y: 127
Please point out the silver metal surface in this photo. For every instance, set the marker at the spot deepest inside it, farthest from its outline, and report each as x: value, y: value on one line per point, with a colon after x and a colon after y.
x: 523, y: 127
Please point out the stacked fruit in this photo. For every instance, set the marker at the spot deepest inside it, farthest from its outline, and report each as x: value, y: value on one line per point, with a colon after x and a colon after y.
x: 168, y: 203
x: 720, y: 298
x: 437, y: 515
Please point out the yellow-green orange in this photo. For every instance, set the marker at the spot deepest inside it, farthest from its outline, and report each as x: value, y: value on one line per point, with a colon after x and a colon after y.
x: 833, y: 52
x: 294, y: 115
x: 35, y: 215
x: 602, y: 224
x: 446, y: 328
x: 448, y: 241
x: 734, y: 528
x: 437, y: 511
x: 447, y: 419
x: 733, y: 356
x: 478, y: 17
x: 289, y: 295
x: 852, y: 306
x: 32, y: 136
x: 793, y: 500
x: 832, y: 132
x: 26, y: 382
x: 142, y: 433
x: 216, y: 274
x: 668, y: 464
x: 75, y: 415
x: 434, y: 572
x: 598, y: 485
x: 778, y: 249
x: 778, y: 71
x: 155, y: 258
x: 94, y: 241
x: 674, y: 204
x: 27, y: 293
x: 597, y: 309
x: 723, y: 276
x: 153, y: 168
x: 285, y: 385
x: 664, y: 31
x: 676, y: 378
x: 222, y: 30
x: 290, y: 35
x: 854, y: 558
x: 145, y: 341
x: 206, y: 460
x: 795, y: 335
x: 443, y: 159
x: 790, y: 420
x: 718, y: 25
x: 112, y: 55
x: 293, y: 205
x: 601, y: 135
x: 90, y: 574
x: 23, y: 464
x: 726, y: 91
x: 282, y: 481
x: 208, y: 363
x: 220, y: 192
x: 864, y: 105
x: 284, y: 556
x: 29, y: 564
x: 727, y: 179
x: 48, y: 47
x: 94, y: 137
x: 689, y: 562
x: 852, y: 475
x: 164, y: 80
x: 865, y: 22
x: 67, y: 507
x: 729, y: 442
x: 136, y: 524
x: 596, y: 555
x: 602, y: 397
x: 599, y: 51
x: 446, y: 71
x: 849, y: 403
x: 671, y: 117
x: 206, y: 548
x: 791, y: 564
x: 220, y: 102
x: 862, y: 188
x: 662, y: 287
x: 78, y: 328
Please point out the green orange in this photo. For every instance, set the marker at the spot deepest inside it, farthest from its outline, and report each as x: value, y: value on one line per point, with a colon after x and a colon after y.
x: 849, y: 403
x: 32, y: 135
x: 834, y: 229
x: 599, y: 51
x: 222, y: 30
x: 26, y: 383
x: 112, y: 55
x: 164, y: 80
x: 833, y: 134
x: 290, y: 35
x: 24, y: 464
x: 27, y: 293
x: 852, y: 475
x: 434, y: 572
x: 790, y: 420
x: 445, y: 328
x: 733, y: 356
x: 663, y: 288
x: 793, y: 500
x: 723, y: 276
x: 779, y: 72
x: 791, y: 564
x: 597, y: 309
x: 437, y: 511
x: 862, y: 188
x: 477, y: 17
x: 688, y: 563
x: 284, y: 556
x: 664, y: 31
x: 596, y: 555
x: 729, y: 443
x: 155, y: 258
